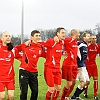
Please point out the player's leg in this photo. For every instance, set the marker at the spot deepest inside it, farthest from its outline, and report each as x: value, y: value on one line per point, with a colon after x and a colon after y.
x: 56, y: 92
x: 49, y: 78
x: 71, y: 88
x: 79, y: 90
x: 67, y: 75
x: 49, y: 93
x: 23, y: 82
x: 86, y: 92
x: 82, y: 75
x: 74, y: 74
x: 66, y: 89
x: 89, y: 70
x: 10, y: 94
x: 57, y: 82
x: 2, y: 95
x: 33, y: 83
x: 2, y: 90
x: 10, y: 87
x: 86, y: 89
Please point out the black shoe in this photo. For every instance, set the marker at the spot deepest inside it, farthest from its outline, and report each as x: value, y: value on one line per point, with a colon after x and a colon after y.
x: 96, y: 98
x: 73, y: 97
x: 85, y: 95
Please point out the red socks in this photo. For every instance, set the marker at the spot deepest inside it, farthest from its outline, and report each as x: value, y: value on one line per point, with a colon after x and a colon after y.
x: 65, y: 90
x: 55, y: 95
x: 69, y: 91
x: 95, y: 87
x: 48, y: 95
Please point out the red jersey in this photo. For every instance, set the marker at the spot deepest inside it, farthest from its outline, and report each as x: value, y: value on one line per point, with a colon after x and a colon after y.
x: 53, y: 54
x: 6, y: 63
x: 71, y: 49
x: 30, y: 56
x: 93, y: 50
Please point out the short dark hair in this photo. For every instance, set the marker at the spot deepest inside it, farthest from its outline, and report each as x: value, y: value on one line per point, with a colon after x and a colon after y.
x: 59, y: 29
x: 84, y: 34
x: 34, y: 31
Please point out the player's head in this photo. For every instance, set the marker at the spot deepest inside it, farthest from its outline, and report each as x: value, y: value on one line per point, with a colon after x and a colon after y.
x: 61, y: 32
x: 93, y: 39
x: 6, y: 38
x: 35, y: 36
x: 86, y: 37
x: 75, y: 33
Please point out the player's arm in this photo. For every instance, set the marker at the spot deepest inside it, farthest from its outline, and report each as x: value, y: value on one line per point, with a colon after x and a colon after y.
x: 16, y: 54
x: 50, y: 43
x: 23, y: 45
x: 47, y: 43
x: 83, y: 52
x: 98, y: 49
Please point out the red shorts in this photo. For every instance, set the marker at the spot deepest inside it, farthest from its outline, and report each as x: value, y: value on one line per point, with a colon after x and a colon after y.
x: 52, y: 76
x: 92, y: 70
x: 9, y: 85
x: 69, y: 72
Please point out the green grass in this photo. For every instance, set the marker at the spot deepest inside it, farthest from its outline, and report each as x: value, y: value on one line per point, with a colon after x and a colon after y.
x: 42, y: 85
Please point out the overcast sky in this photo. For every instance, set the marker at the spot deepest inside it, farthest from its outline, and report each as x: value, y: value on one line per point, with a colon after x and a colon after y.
x: 48, y: 14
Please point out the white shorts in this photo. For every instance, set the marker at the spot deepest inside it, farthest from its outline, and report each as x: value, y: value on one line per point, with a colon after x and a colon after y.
x: 82, y: 75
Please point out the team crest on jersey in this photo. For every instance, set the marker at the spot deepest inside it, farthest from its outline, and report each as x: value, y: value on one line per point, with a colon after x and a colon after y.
x: 95, y: 48
x: 9, y: 55
x: 34, y: 56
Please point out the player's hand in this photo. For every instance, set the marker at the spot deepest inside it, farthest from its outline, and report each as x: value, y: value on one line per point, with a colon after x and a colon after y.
x: 56, y: 39
x: 28, y: 43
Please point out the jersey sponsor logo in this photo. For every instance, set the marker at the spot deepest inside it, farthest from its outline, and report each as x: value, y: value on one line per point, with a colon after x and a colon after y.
x: 93, y: 50
x: 58, y: 50
x: 6, y: 59
x: 74, y: 46
x: 31, y: 49
x: 2, y: 59
x: 5, y: 50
